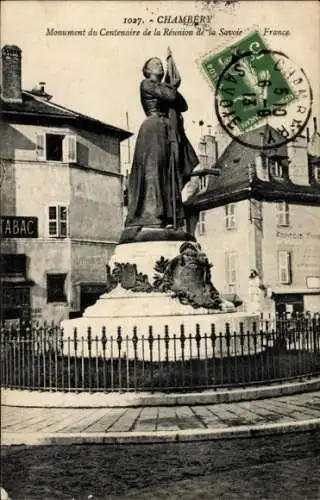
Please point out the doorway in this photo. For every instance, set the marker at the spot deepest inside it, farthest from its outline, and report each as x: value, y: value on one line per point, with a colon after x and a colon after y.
x: 291, y: 303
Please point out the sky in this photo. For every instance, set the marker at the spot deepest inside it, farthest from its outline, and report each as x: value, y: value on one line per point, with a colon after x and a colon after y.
x: 100, y: 76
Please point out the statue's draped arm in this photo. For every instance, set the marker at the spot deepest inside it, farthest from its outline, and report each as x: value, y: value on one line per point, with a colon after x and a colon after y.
x: 161, y: 91
x: 165, y: 93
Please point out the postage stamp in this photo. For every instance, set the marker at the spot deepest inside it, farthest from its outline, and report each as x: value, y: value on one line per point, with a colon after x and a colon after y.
x: 254, y: 84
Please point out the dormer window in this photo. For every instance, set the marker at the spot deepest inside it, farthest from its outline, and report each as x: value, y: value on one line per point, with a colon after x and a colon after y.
x: 203, y: 182
x: 276, y: 169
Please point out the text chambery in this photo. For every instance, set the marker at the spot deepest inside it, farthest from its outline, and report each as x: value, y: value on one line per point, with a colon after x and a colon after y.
x: 192, y: 20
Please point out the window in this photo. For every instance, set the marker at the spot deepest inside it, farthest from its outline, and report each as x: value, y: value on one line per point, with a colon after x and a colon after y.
x: 203, y: 181
x: 56, y: 147
x: 284, y: 267
x: 283, y: 218
x: 276, y: 169
x: 56, y: 288
x: 230, y: 217
x: 231, y: 271
x: 317, y: 174
x: 58, y: 221
x: 202, y: 223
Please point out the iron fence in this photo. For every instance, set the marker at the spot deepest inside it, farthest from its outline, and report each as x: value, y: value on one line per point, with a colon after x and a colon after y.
x: 40, y: 357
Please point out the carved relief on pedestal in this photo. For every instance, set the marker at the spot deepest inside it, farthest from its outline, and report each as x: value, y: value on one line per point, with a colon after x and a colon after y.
x: 187, y: 276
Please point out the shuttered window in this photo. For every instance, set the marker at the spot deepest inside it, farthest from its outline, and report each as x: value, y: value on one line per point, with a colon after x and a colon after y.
x: 285, y: 267
x: 58, y: 221
x: 202, y: 223
x: 231, y: 268
x: 283, y: 215
x: 230, y: 216
x: 56, y: 147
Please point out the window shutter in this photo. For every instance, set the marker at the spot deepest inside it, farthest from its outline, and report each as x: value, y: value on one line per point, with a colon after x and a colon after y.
x: 70, y: 148
x: 231, y: 262
x: 283, y: 217
x: 52, y: 221
x: 202, y: 223
x: 41, y: 146
x: 285, y: 268
x: 227, y: 263
x: 233, y: 270
x: 289, y: 264
x: 63, y: 221
x: 226, y: 209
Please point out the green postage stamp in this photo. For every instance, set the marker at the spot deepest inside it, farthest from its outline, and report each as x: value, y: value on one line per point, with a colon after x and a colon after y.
x: 249, y: 82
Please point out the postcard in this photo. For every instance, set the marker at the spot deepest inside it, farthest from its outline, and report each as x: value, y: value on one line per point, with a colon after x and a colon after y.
x: 160, y: 249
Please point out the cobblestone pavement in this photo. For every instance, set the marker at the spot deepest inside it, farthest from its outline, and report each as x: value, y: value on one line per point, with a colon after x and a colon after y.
x: 263, y: 468
x: 157, y: 420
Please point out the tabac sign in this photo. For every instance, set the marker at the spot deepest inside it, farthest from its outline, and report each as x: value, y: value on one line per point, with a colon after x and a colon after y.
x: 13, y: 226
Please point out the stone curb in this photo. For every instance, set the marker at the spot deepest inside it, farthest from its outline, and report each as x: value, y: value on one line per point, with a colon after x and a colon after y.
x: 36, y: 399
x: 148, y: 437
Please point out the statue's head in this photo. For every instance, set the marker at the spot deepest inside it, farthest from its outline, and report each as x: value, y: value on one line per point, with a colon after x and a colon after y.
x: 153, y: 68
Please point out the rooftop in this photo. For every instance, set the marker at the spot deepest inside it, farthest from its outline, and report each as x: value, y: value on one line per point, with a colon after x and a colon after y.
x: 238, y: 179
x: 35, y: 108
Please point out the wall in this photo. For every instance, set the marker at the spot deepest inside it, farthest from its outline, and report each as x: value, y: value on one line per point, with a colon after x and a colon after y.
x: 88, y: 264
x: 218, y: 240
x: 95, y: 207
x: 98, y: 151
x: 47, y: 256
x: 94, y: 150
x: 95, y: 210
x: 312, y: 303
x: 301, y: 237
x: 28, y: 187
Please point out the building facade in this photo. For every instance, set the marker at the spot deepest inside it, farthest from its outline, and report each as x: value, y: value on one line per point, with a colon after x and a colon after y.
x: 60, y: 173
x: 259, y: 223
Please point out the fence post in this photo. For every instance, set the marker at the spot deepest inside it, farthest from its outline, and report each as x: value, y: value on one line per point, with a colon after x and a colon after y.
x: 75, y: 346
x: 104, y: 345
x: 150, y: 340
x: 39, y: 357
x: 182, y: 342
x: 213, y: 338
x: 135, y: 342
x: 119, y: 342
x: 89, y: 344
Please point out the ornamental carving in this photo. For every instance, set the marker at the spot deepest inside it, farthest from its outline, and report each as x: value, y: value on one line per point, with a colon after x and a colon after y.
x: 187, y: 277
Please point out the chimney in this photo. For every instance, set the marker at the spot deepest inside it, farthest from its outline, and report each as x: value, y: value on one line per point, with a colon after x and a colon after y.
x: 298, y: 161
x: 211, y: 149
x: 202, y: 155
x: 11, y: 74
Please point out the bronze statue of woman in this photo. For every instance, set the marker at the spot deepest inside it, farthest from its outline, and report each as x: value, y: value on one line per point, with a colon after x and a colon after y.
x: 163, y: 158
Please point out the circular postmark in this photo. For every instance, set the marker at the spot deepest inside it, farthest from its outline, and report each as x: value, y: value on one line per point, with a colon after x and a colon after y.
x: 258, y: 88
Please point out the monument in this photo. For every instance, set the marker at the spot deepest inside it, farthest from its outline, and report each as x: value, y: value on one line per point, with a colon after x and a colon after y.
x: 158, y: 274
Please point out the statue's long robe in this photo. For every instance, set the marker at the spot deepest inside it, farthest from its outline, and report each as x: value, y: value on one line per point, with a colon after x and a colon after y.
x: 151, y: 183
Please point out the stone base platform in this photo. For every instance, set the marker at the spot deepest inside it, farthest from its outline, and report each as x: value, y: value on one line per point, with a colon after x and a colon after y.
x: 127, y: 309
x: 158, y: 310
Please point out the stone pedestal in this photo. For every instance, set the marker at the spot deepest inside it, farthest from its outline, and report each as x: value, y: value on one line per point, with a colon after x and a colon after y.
x: 131, y: 304
x: 145, y: 254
